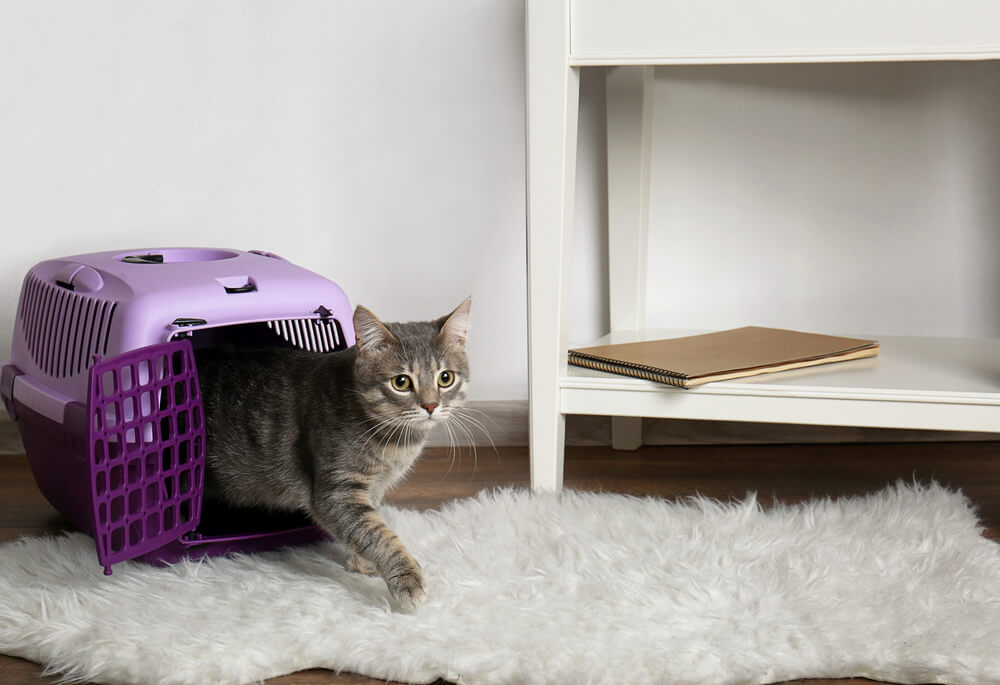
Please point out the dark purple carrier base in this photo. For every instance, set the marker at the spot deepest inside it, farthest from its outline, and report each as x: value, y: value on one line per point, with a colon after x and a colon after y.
x: 48, y: 443
x: 229, y: 530
x: 196, y: 546
x: 129, y: 468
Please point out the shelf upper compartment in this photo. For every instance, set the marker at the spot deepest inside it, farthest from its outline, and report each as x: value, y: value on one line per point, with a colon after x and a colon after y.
x: 943, y: 383
x: 694, y: 31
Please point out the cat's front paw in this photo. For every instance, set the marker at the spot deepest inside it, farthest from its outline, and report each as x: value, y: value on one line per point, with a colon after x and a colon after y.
x: 407, y: 588
x: 358, y: 564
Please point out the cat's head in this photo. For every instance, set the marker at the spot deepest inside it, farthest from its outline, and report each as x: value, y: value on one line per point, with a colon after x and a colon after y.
x: 416, y: 373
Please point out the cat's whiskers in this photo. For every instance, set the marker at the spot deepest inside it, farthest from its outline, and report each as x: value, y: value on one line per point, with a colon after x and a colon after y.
x: 405, y: 425
x: 452, y: 452
x: 399, y: 425
x: 472, y: 445
x: 461, y: 416
x: 482, y: 426
x: 462, y: 413
x: 375, y: 418
x: 373, y: 433
x: 378, y: 421
x: 455, y: 448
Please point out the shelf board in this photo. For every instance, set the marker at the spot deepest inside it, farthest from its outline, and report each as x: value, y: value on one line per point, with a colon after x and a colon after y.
x: 683, y: 31
x: 915, y: 382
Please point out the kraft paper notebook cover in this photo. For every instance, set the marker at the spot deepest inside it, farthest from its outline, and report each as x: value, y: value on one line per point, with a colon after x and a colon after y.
x: 723, y: 355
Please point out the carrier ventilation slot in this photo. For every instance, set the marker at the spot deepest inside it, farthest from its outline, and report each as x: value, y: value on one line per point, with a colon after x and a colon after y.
x: 317, y: 335
x: 63, y: 329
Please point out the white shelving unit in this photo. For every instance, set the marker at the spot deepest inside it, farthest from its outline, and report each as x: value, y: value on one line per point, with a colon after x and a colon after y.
x: 931, y: 383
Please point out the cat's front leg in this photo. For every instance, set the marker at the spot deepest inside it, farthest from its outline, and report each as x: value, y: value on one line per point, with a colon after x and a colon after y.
x: 347, y: 513
x: 358, y: 564
x: 355, y: 562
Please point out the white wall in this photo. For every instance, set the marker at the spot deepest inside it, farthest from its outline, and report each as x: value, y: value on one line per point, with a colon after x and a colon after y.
x: 380, y: 144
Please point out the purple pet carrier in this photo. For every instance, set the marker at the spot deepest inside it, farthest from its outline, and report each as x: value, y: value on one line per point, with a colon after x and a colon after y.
x: 103, y: 385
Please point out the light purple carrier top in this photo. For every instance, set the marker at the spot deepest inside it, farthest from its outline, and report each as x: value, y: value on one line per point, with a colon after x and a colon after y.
x: 123, y: 300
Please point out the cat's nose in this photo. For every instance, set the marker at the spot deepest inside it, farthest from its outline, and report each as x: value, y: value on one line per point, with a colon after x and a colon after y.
x: 430, y: 407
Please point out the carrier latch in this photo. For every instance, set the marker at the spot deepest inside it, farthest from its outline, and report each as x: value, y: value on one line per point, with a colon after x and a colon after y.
x: 8, y: 372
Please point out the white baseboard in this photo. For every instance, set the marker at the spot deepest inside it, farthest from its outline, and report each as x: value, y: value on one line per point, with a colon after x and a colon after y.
x: 508, y: 425
x: 505, y: 423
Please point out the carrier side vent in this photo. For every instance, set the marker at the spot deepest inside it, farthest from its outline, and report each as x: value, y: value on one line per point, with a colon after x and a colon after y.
x: 63, y: 329
x: 311, y: 334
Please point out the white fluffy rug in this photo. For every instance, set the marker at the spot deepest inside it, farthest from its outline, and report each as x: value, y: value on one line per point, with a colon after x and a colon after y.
x: 581, y: 588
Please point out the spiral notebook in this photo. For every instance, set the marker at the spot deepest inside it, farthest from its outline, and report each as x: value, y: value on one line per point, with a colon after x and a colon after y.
x: 723, y: 355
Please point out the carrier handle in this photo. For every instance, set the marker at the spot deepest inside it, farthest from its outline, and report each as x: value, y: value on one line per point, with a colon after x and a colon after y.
x: 143, y: 259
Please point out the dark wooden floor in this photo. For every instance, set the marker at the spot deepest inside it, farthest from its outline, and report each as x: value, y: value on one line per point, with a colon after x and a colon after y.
x: 785, y: 472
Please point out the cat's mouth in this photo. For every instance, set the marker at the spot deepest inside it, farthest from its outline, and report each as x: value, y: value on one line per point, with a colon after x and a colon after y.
x: 428, y: 419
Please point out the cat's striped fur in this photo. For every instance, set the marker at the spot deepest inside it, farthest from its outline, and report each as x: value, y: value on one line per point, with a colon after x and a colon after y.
x: 329, y: 434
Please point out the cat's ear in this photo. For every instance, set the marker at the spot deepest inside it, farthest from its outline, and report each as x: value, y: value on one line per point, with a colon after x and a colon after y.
x: 455, y: 326
x: 371, y: 334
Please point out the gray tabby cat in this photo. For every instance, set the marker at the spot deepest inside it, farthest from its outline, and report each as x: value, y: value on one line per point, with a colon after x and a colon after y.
x: 329, y: 434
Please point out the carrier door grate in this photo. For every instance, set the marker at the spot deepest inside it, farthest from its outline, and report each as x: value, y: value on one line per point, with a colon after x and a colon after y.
x: 147, y: 450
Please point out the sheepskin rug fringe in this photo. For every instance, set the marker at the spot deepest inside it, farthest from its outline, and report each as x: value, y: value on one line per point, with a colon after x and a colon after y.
x: 898, y: 585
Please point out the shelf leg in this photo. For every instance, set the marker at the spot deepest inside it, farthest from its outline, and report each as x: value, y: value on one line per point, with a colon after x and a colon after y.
x: 553, y: 91
x: 630, y: 134
x: 626, y: 433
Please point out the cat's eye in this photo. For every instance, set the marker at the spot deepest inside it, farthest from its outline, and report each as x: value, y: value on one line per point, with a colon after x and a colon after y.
x: 446, y: 379
x: 402, y: 383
